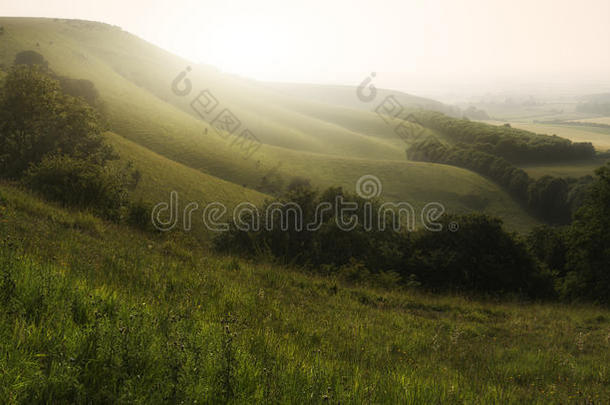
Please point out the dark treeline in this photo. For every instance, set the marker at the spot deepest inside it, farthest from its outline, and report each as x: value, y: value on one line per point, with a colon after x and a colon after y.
x: 514, y: 145
x: 480, y: 257
x: 550, y: 198
x: 572, y: 262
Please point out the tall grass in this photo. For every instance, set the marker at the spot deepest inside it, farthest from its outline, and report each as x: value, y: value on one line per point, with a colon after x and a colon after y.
x: 121, y: 316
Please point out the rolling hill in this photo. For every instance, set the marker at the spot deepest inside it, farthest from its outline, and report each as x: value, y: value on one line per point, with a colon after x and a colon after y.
x: 330, y: 144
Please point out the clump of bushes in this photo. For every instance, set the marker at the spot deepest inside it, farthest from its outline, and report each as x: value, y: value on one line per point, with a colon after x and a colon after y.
x: 480, y: 256
x: 30, y: 58
x: 78, y: 88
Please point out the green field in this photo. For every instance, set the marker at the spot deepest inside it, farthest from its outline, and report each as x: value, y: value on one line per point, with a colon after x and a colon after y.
x: 95, y: 312
x: 329, y: 144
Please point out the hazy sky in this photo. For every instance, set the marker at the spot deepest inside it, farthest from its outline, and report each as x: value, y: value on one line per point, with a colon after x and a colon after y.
x: 421, y: 41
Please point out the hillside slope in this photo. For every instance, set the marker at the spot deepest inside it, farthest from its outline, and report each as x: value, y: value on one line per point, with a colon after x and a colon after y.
x: 93, y: 312
x: 331, y: 145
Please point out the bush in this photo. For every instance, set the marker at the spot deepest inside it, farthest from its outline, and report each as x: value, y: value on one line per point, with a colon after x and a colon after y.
x: 139, y: 215
x: 80, y: 183
x: 84, y: 89
x: 327, y: 245
x: 31, y: 58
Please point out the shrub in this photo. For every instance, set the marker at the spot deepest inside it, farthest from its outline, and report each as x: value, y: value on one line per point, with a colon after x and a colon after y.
x: 139, y: 215
x: 327, y: 245
x: 84, y: 89
x: 31, y: 58
x: 80, y: 183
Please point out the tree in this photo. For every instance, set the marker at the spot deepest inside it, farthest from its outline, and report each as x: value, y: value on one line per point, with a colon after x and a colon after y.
x: 36, y: 118
x: 80, y: 88
x: 480, y: 256
x: 548, y: 197
x: 589, y: 252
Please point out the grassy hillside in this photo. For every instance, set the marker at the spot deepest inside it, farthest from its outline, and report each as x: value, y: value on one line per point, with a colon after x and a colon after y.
x: 161, y: 176
x: 330, y: 144
x: 94, y: 312
x: 346, y: 96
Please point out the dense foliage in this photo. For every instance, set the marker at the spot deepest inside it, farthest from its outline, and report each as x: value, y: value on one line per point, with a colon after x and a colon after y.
x: 552, y: 199
x: 328, y: 245
x: 39, y: 119
x: 514, y: 145
x: 579, y: 255
x: 53, y: 141
x: 481, y: 257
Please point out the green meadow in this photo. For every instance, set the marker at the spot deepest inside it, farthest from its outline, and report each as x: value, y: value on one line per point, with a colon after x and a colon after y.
x: 93, y: 312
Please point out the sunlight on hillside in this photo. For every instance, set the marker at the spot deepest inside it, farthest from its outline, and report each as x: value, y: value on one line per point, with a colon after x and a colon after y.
x: 328, y: 202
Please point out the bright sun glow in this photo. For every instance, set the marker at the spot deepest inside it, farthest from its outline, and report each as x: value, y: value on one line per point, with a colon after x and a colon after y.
x: 412, y: 42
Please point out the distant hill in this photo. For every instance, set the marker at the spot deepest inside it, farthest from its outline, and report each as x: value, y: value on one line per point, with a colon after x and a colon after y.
x: 346, y: 96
